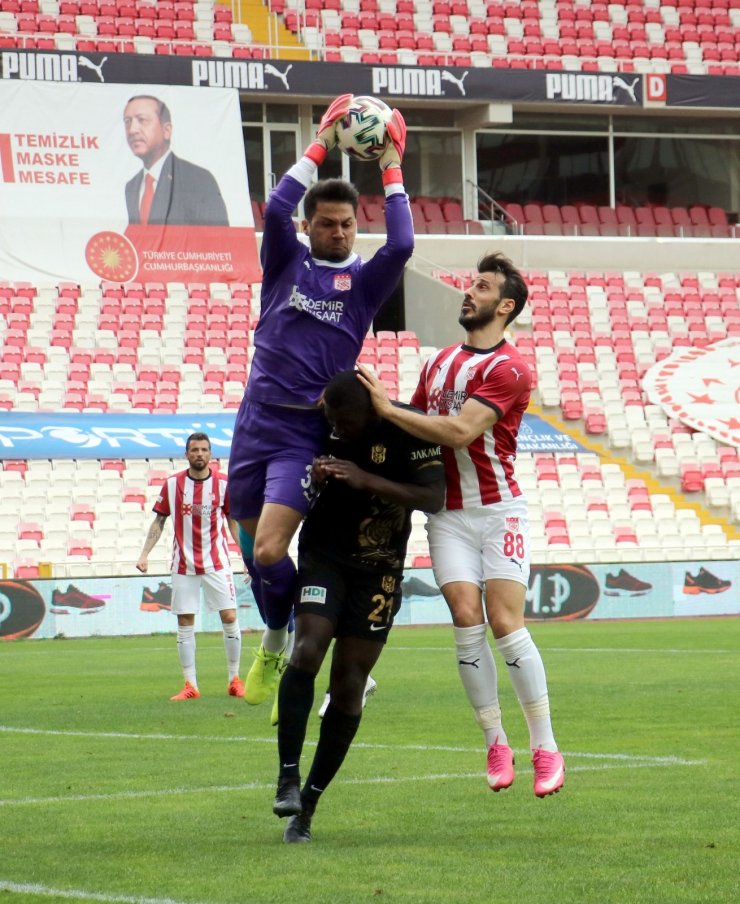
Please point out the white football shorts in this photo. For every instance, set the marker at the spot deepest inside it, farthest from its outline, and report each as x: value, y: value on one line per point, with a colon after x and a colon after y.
x: 218, y: 592
x: 476, y: 545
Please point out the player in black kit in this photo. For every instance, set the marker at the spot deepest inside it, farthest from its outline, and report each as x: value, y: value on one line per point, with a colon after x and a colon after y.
x: 351, y: 554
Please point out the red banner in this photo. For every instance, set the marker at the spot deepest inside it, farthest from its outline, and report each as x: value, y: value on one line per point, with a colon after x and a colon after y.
x: 175, y: 254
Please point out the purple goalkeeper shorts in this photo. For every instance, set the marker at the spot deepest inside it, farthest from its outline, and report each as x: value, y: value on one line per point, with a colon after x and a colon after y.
x: 271, y: 454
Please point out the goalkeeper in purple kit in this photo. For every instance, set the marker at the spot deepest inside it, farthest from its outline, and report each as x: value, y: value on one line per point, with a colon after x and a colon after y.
x: 318, y: 302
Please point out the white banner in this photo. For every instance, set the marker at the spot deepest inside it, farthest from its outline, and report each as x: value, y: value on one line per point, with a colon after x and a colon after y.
x: 73, y: 192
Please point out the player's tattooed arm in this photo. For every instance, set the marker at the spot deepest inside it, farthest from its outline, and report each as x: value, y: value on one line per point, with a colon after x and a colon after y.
x: 154, y: 533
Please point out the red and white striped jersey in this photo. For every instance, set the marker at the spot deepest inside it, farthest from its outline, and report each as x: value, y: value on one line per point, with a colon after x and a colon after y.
x: 199, y: 509
x: 483, y: 472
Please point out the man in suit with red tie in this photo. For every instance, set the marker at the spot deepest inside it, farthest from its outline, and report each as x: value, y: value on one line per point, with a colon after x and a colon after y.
x: 168, y: 190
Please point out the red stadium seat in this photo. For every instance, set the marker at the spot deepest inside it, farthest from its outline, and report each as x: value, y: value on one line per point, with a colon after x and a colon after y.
x: 80, y: 548
x: 184, y: 12
x: 595, y: 423
x: 27, y: 569
x: 682, y: 221
x: 646, y: 225
x: 533, y: 214
x: 81, y: 512
x: 135, y: 494
x: 30, y: 530
x: 692, y: 479
x: 27, y: 24
x: 452, y: 211
x: 165, y: 10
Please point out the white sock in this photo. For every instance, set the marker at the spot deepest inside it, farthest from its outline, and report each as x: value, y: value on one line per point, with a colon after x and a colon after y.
x: 289, y: 644
x: 275, y: 639
x: 233, y: 647
x: 477, y: 670
x: 186, y: 652
x: 527, y: 674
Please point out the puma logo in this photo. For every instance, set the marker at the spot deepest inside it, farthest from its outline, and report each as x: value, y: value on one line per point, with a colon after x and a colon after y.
x: 630, y: 89
x: 88, y: 64
x: 283, y: 76
x: 449, y: 77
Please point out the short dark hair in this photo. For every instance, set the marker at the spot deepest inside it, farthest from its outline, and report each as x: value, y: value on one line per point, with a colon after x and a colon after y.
x: 344, y: 390
x: 336, y: 190
x: 197, y: 438
x: 163, y: 111
x: 514, y: 286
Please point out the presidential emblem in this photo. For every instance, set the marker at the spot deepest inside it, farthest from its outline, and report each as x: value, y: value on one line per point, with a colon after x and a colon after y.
x: 112, y: 256
x: 377, y: 454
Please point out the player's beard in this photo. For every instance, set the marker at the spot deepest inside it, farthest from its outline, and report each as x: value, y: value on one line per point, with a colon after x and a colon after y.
x: 478, y: 320
x: 337, y: 253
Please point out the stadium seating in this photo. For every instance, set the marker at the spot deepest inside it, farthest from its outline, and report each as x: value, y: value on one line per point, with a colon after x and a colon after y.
x: 201, y: 28
x: 431, y: 215
x: 636, y: 37
x: 588, y: 337
x: 697, y: 38
x: 534, y: 218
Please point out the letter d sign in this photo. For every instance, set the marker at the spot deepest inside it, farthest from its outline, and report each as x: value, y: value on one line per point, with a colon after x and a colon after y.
x: 655, y: 88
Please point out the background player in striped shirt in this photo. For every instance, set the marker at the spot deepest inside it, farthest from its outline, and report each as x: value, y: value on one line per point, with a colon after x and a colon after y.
x: 475, y: 395
x: 198, y: 501
x: 318, y: 301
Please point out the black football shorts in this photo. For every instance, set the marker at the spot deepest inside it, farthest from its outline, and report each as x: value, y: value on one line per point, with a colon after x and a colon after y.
x: 360, y: 603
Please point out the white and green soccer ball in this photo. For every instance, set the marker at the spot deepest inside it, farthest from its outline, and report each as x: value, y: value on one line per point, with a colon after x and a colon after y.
x: 361, y: 131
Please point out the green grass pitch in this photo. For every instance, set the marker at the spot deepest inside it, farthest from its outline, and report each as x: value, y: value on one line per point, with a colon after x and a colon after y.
x: 109, y: 792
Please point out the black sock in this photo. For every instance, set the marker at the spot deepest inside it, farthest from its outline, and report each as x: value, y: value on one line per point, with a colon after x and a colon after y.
x: 295, y: 699
x: 337, y: 733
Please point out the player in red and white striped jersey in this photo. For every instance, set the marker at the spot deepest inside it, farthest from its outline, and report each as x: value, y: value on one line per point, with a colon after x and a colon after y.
x: 198, y: 501
x: 199, y: 509
x: 474, y: 395
x: 482, y: 472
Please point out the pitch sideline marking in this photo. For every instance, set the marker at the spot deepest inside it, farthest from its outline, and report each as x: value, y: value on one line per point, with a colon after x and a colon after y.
x: 444, y: 748
x: 399, y: 649
x: 46, y: 891
x: 543, y: 649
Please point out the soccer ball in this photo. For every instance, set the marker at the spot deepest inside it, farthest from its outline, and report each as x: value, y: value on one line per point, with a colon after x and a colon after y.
x: 361, y: 131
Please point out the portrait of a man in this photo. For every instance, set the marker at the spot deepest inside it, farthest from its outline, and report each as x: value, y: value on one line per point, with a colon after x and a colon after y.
x: 167, y: 190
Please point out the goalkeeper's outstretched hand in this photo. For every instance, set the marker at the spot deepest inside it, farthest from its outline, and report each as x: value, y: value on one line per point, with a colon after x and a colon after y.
x: 392, y: 156
x: 326, y: 135
x: 396, y: 129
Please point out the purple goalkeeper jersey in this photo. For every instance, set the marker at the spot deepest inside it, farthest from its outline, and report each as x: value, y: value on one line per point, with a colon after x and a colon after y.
x: 315, y: 313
